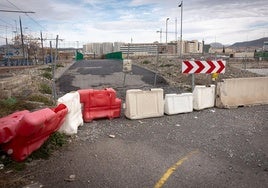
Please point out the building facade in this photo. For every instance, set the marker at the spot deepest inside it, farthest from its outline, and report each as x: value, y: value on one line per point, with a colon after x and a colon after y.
x: 139, y: 49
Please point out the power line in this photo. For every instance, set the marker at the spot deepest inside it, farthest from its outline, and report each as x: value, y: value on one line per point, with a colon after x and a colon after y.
x: 18, y: 11
x: 26, y: 15
x: 5, y: 22
x: 6, y: 26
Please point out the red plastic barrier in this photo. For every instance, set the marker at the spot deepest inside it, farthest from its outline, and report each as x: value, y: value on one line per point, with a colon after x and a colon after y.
x: 9, y: 125
x: 33, y: 130
x: 99, y: 104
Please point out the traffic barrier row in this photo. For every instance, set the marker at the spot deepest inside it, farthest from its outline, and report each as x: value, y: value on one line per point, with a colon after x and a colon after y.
x: 23, y: 132
x: 29, y: 130
x: 146, y: 104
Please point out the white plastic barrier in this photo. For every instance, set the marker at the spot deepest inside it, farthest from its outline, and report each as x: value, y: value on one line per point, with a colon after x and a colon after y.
x: 203, y: 97
x: 144, y: 104
x: 242, y: 91
x: 178, y: 103
x: 74, y: 117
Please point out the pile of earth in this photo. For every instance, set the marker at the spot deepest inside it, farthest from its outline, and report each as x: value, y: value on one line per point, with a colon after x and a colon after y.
x: 170, y: 69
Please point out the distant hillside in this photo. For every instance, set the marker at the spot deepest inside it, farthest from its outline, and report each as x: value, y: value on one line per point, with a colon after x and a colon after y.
x: 254, y: 43
x: 216, y: 45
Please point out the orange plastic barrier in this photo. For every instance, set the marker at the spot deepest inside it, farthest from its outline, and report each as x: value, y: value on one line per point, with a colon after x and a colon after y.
x: 9, y: 125
x: 33, y: 130
x: 99, y: 104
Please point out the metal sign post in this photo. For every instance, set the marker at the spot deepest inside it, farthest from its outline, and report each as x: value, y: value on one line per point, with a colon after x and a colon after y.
x: 157, y: 60
x: 193, y: 82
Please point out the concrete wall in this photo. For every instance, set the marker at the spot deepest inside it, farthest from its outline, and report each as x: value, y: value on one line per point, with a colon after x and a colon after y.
x: 13, y: 86
x: 242, y: 91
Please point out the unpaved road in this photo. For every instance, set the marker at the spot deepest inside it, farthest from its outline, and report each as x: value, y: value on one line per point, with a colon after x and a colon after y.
x: 212, y: 147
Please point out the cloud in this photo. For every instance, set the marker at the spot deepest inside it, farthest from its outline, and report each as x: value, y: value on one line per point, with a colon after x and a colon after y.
x: 226, y: 21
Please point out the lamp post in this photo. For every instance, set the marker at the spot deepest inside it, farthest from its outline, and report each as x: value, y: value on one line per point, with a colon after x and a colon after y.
x: 181, y: 6
x: 166, y: 28
x: 160, y: 34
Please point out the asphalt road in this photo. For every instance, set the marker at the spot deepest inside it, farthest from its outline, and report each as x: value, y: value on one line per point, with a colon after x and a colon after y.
x: 208, y: 148
x: 108, y: 73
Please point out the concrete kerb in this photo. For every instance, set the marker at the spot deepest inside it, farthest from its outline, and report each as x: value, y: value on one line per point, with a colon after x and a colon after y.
x: 61, y: 70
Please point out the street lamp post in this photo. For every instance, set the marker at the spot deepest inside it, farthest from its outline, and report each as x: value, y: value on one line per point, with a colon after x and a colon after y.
x: 160, y: 34
x: 166, y: 29
x: 181, y: 6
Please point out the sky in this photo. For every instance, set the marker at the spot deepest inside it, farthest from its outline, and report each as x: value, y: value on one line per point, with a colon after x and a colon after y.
x: 84, y: 21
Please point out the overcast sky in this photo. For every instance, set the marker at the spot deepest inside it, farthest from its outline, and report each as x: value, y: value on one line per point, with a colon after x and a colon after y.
x: 224, y: 21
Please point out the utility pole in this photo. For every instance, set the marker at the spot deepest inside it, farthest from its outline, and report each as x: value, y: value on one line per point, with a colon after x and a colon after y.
x: 181, y: 6
x: 176, y: 38
x: 54, y: 94
x: 57, y: 42
x: 42, y: 45
x: 7, y: 53
x: 22, y: 43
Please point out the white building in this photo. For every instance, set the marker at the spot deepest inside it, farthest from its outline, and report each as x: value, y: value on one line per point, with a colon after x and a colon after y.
x: 107, y: 47
x: 193, y: 47
x: 117, y: 46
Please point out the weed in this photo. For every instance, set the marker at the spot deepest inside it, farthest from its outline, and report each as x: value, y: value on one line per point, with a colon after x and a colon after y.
x: 45, y: 88
x: 10, y: 105
x: 54, y: 142
x: 41, y: 98
x: 47, y: 75
x: 47, y: 69
x: 146, y: 62
x: 59, y: 65
x: 166, y: 65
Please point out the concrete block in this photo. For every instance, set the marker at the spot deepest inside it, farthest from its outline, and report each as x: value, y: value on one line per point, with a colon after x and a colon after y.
x: 178, y: 103
x: 74, y: 116
x: 203, y: 97
x: 242, y: 92
x: 144, y: 104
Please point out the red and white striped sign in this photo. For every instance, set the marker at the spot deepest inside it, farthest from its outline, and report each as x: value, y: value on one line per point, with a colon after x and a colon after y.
x: 206, y: 67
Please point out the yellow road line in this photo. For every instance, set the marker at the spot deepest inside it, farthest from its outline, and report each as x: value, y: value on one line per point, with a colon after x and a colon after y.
x: 172, y: 169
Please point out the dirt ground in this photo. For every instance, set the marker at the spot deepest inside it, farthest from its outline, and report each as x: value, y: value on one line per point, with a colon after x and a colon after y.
x: 170, y: 69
